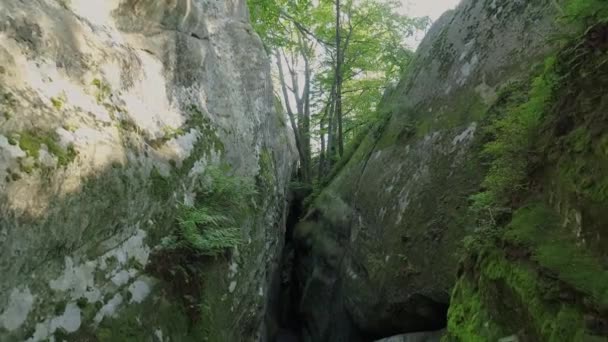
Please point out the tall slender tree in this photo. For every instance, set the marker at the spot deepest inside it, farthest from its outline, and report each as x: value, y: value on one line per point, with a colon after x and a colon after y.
x: 334, y: 58
x: 338, y: 76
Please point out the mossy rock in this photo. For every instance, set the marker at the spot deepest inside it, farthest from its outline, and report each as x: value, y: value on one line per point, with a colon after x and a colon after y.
x: 31, y: 142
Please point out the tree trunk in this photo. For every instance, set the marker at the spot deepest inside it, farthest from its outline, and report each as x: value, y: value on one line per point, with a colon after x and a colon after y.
x: 331, y: 136
x: 306, y: 109
x: 296, y: 131
x: 339, y: 61
x: 322, y: 152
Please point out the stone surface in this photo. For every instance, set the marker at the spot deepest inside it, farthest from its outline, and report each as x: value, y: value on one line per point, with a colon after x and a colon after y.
x: 432, y: 336
x: 102, y: 105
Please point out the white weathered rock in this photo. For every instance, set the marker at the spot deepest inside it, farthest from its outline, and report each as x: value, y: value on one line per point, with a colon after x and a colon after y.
x: 19, y: 305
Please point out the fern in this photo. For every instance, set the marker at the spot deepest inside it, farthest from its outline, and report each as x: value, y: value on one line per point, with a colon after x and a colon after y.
x: 510, y: 151
x: 583, y: 11
x: 211, y: 226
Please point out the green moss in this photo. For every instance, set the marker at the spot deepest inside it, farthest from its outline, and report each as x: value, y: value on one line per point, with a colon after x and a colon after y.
x: 208, y: 142
x: 127, y: 125
x: 509, y: 297
x: 60, y: 307
x: 583, y: 170
x: 217, y: 317
x: 502, y: 295
x: 514, y: 138
x: 582, y: 12
x: 111, y: 262
x: 548, y: 319
x: 458, y: 110
x: 161, y: 186
x: 466, y: 108
x: 113, y: 110
x: 468, y: 319
x: 61, y: 335
x: 13, y: 140
x: 82, y: 303
x: 171, y: 132
x: 280, y: 113
x: 349, y: 152
x: 168, y: 134
x: 70, y: 127
x: 555, y: 249
x: 442, y: 52
x: 8, y: 100
x: 57, y: 102
x: 103, y: 90
x: 265, y: 179
x: 542, y: 279
x: 134, y: 264
x: 31, y: 142
x: 138, y: 322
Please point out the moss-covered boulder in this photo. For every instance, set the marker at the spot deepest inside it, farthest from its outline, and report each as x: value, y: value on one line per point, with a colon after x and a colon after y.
x: 380, y: 247
x: 539, y: 271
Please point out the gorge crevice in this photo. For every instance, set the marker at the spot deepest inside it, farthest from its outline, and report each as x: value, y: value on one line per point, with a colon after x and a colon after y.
x: 308, y: 303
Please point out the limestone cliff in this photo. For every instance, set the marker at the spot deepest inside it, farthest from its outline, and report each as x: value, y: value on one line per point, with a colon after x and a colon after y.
x: 378, y: 251
x: 110, y: 114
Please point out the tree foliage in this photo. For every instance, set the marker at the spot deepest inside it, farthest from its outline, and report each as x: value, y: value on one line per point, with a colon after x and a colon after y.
x: 334, y: 60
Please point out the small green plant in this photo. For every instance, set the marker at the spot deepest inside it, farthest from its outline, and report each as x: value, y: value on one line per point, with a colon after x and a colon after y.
x: 82, y: 302
x: 32, y: 141
x: 70, y: 127
x: 211, y: 226
x: 13, y: 140
x: 58, y: 102
x: 127, y: 125
x: 103, y: 90
x: 8, y: 99
x: 512, y: 148
x: 170, y: 132
x: 161, y: 186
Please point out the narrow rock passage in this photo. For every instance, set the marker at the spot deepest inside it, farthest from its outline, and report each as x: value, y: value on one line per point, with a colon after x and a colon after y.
x: 290, y: 318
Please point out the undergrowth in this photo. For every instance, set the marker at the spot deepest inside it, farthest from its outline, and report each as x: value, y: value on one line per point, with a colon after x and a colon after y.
x: 512, y: 150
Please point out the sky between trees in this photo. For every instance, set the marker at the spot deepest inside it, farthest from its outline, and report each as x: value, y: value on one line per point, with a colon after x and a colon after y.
x: 431, y: 8
x: 421, y: 8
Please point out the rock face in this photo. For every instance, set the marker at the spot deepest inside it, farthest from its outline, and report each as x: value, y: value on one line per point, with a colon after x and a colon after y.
x: 379, y: 249
x: 110, y: 113
x: 432, y: 336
